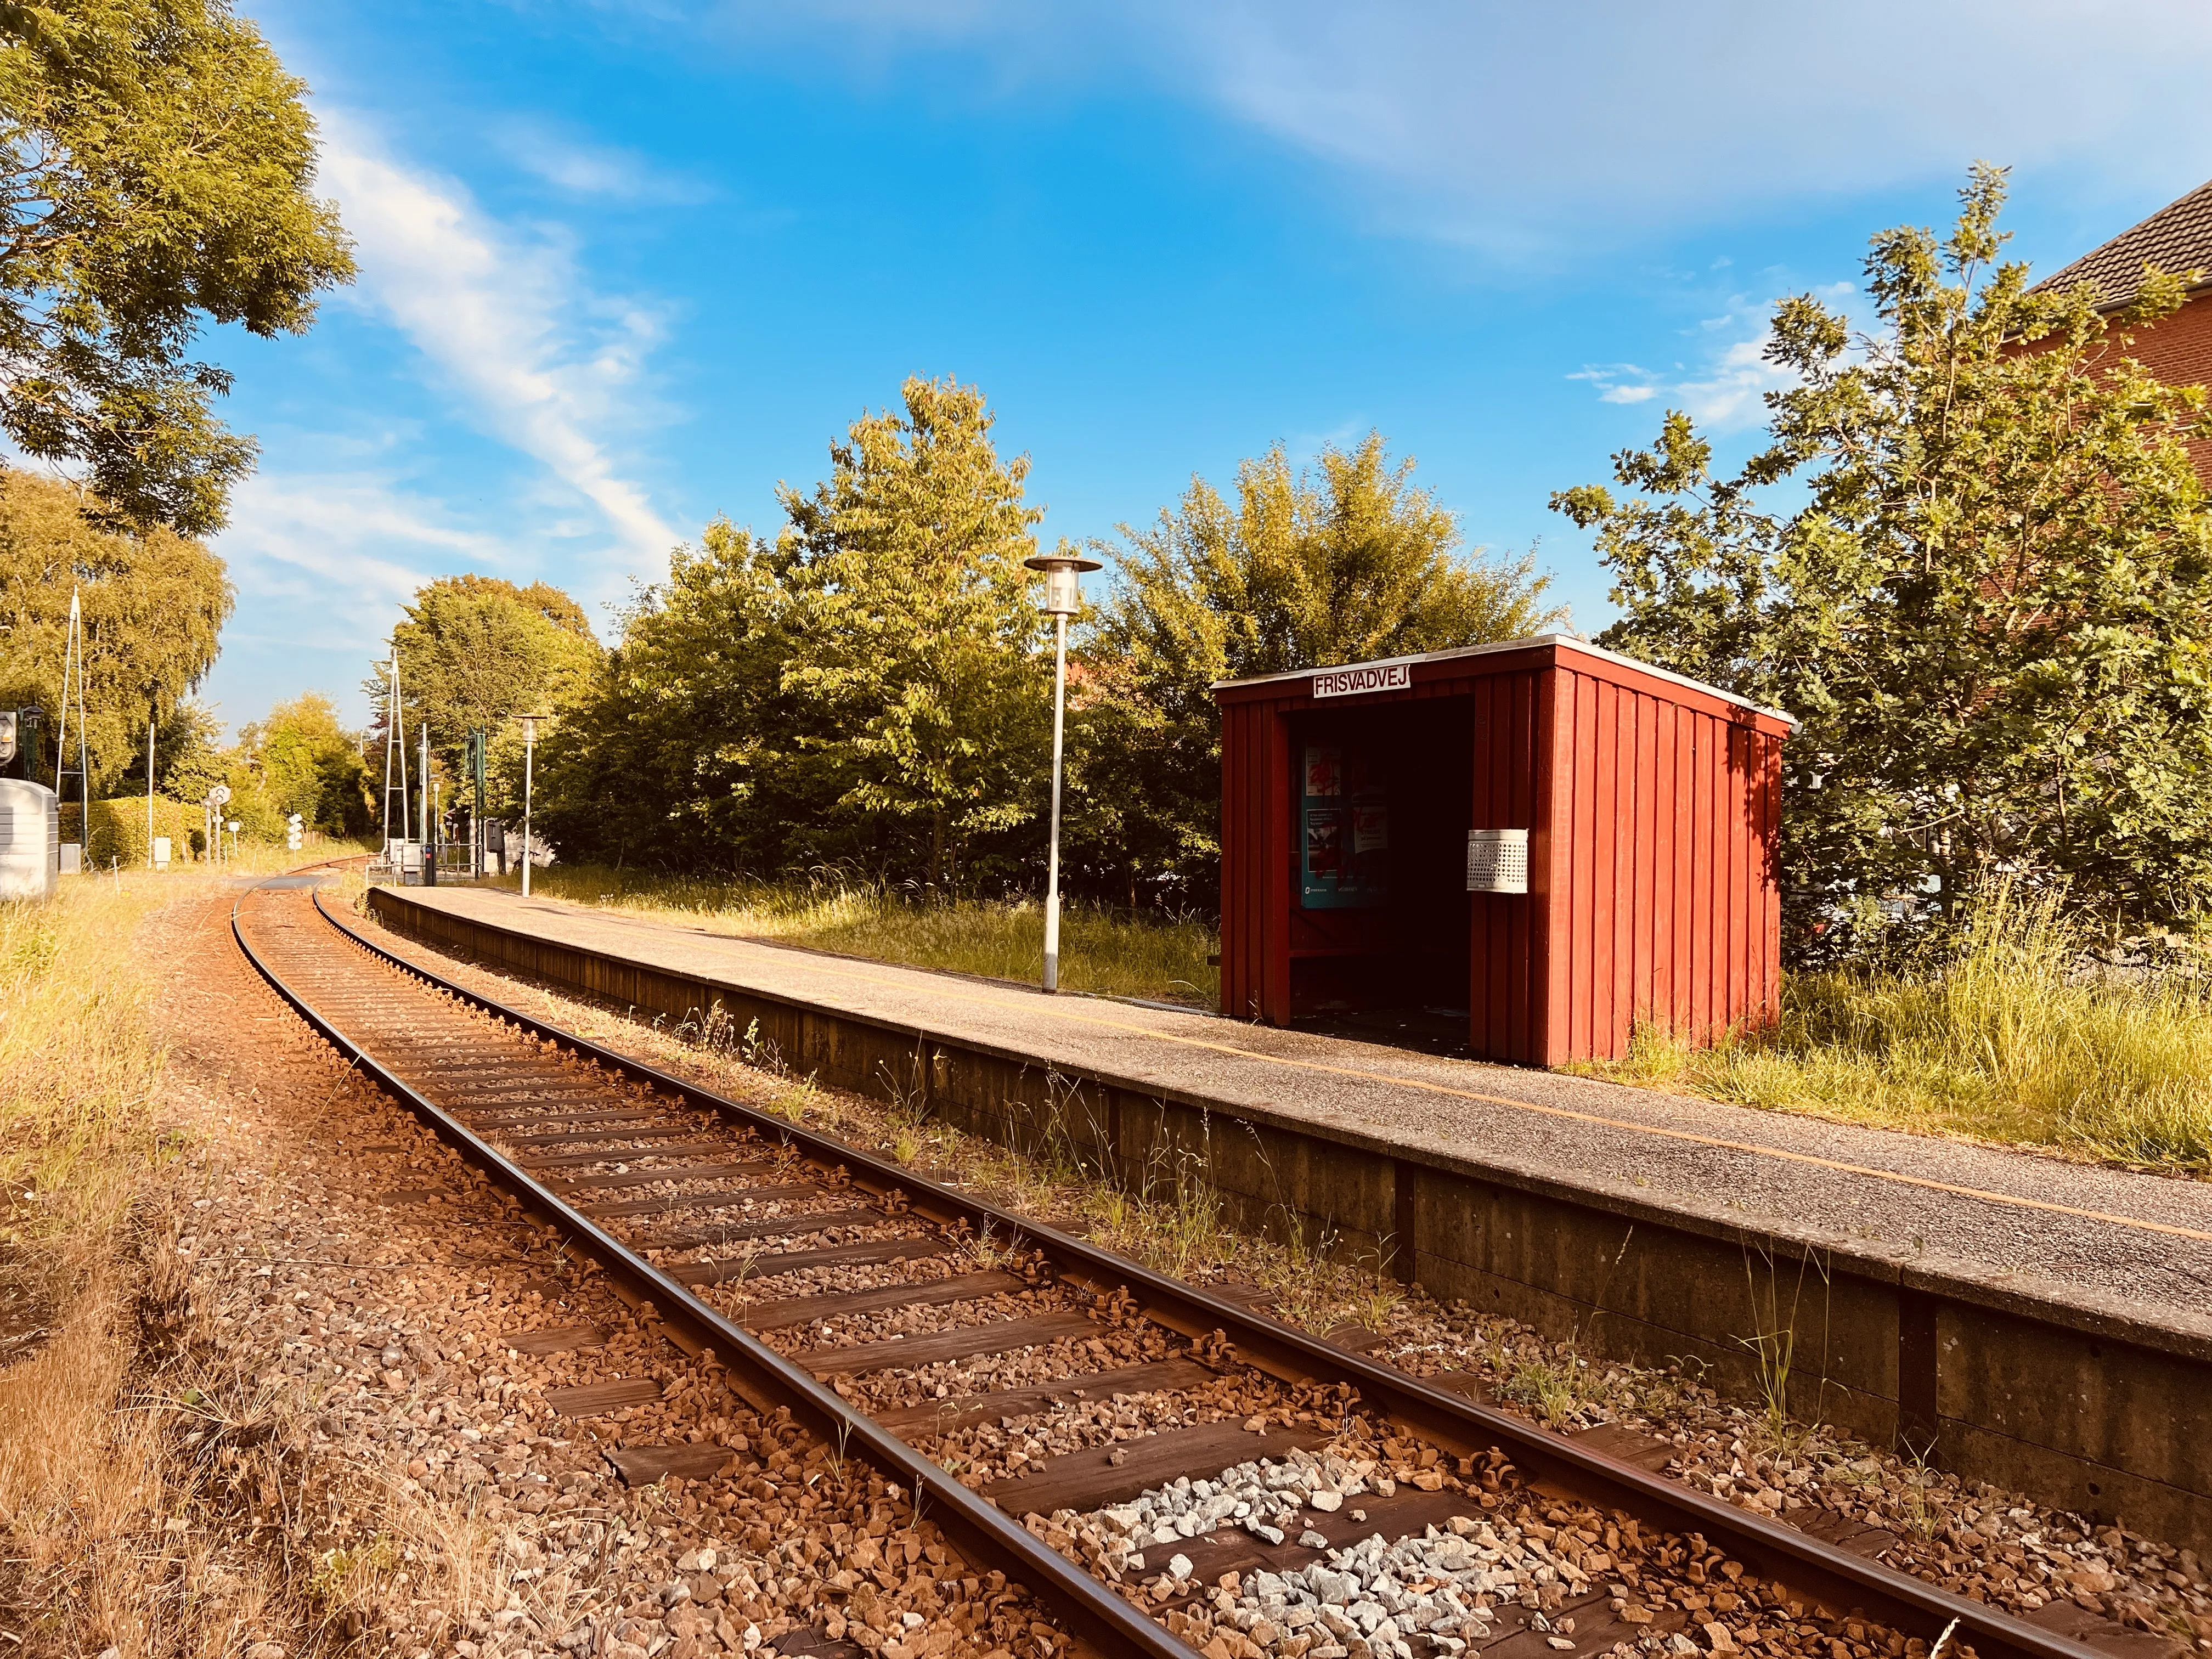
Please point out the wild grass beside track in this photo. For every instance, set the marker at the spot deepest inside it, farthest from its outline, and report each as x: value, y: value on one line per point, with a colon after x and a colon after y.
x: 1099, y: 950
x: 2006, y: 1041
x: 93, y: 1481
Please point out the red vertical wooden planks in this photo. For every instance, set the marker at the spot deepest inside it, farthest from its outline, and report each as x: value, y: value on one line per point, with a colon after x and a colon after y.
x: 1235, y: 912
x: 1523, y: 992
x: 1743, y: 802
x: 1685, y: 849
x: 1770, y: 878
x: 1600, y: 770
x: 1646, y: 908
x: 1620, y: 993
x: 1278, y: 831
x: 1701, y: 878
x: 1501, y: 996
x: 1579, y: 776
x: 1665, y: 717
x: 1551, y: 904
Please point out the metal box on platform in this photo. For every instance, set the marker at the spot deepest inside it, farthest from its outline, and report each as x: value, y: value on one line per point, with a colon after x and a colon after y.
x: 1548, y: 841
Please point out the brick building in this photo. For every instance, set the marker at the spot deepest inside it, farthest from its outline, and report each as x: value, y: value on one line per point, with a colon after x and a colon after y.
x: 2177, y: 350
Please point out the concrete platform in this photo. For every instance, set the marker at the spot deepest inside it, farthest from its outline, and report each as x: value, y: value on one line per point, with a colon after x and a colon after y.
x: 2038, y: 1322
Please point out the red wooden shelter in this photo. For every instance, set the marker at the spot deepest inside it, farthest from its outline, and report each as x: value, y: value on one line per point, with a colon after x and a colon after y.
x: 1650, y: 805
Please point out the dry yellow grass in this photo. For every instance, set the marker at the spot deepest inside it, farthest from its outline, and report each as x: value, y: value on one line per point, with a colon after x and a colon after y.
x: 122, y: 1451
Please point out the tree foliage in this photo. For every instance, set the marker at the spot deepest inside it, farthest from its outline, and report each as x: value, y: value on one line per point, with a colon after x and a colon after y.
x: 1989, y: 606
x: 873, y: 688
x: 682, y: 749
x: 475, y: 651
x: 914, y: 631
x: 867, y: 688
x: 156, y: 174
x: 1344, y: 563
x: 154, y: 604
x: 302, y: 760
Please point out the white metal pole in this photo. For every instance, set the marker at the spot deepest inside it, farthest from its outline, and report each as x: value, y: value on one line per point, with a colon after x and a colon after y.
x: 150, y: 708
x: 529, y: 752
x: 1052, y: 857
x: 426, y: 875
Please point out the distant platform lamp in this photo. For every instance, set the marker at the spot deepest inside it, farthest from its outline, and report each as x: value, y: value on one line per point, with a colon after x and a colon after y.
x: 529, y: 753
x: 1063, y: 597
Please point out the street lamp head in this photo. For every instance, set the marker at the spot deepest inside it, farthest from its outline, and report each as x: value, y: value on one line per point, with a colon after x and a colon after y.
x: 530, y: 725
x: 1063, y: 579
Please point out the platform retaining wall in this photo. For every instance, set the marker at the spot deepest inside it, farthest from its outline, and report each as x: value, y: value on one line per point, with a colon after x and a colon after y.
x: 2100, y: 1413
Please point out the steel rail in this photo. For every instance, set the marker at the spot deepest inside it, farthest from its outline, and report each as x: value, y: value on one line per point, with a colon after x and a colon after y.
x: 1843, y: 1582
x: 978, y: 1529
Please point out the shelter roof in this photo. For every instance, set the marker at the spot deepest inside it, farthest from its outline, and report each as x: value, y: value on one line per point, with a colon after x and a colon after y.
x: 2176, y: 238
x: 1560, y: 642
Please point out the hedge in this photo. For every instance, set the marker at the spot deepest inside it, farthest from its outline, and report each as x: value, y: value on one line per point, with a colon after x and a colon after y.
x: 119, y: 829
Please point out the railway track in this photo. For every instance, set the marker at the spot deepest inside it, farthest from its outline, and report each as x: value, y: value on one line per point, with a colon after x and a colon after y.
x: 889, y: 1315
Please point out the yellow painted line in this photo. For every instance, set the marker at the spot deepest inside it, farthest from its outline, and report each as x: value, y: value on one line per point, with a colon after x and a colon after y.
x: 2165, y: 1229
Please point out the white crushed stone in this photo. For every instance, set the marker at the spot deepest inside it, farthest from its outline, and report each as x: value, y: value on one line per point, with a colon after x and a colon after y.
x: 1444, y: 1585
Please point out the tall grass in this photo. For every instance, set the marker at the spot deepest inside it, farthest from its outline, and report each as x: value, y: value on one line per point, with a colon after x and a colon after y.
x: 2004, y: 1040
x: 94, y: 1484
x: 1099, y: 950
x: 78, y: 1062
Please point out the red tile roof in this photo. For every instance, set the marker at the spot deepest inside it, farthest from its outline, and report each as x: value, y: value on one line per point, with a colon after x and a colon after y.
x: 2176, y: 238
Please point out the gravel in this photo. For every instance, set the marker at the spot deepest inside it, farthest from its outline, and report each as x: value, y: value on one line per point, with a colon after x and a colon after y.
x: 1971, y: 1538
x: 432, y: 1498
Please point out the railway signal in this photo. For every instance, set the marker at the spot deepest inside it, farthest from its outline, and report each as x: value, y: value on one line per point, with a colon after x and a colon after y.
x: 292, y: 833
x: 216, y: 799
x: 479, y: 763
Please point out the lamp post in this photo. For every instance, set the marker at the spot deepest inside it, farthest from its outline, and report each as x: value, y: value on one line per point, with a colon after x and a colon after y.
x: 1063, y: 597
x: 529, y: 752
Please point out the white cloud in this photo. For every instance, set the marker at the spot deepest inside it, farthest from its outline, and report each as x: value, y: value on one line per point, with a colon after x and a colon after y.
x: 1532, y: 131
x: 583, y: 168
x: 1618, y: 383
x: 324, y: 559
x: 546, y: 365
x: 345, y: 535
x: 1725, y: 389
x: 1725, y: 393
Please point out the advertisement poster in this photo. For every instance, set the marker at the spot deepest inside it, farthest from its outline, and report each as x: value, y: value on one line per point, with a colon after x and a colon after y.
x: 1344, y: 832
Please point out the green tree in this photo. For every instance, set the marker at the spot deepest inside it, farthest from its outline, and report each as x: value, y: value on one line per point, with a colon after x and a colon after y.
x: 914, y: 637
x: 1346, y: 562
x: 154, y: 604
x: 189, y: 757
x: 1985, y: 596
x: 475, y: 651
x: 156, y: 174
x: 307, y: 763
x: 682, y: 748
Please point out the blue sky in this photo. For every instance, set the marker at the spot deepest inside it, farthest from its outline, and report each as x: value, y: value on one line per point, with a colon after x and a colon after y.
x: 626, y: 266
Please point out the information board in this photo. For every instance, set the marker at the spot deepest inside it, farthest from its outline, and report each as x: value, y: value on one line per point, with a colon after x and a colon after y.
x: 1344, y: 831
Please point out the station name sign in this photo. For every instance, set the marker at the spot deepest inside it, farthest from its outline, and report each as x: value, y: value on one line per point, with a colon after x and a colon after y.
x: 1350, y: 682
